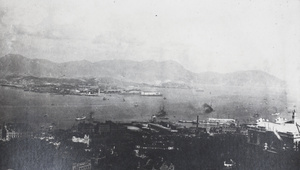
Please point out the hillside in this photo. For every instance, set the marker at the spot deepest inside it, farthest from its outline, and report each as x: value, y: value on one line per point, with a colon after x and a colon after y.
x: 150, y: 72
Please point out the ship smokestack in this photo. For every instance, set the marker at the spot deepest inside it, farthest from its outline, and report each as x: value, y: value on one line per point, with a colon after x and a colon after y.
x: 293, y: 117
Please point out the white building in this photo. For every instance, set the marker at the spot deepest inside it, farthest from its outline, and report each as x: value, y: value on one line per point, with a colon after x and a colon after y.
x: 276, y: 135
x: 85, y: 139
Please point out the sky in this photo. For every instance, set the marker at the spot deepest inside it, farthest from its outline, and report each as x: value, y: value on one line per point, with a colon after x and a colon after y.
x: 203, y: 35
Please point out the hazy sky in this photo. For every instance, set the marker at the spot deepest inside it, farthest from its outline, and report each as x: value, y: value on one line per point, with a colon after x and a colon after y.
x: 212, y: 35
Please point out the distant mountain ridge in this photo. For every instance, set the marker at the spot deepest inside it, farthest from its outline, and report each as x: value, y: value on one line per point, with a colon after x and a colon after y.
x: 151, y: 72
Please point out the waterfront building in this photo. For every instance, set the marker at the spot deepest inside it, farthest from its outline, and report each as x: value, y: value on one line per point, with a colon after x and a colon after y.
x: 11, y: 131
x: 86, y: 165
x: 113, y: 91
x: 221, y: 121
x: 275, y: 136
x: 161, y: 128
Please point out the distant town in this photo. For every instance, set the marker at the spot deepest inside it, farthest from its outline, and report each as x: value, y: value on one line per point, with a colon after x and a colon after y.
x: 89, y: 87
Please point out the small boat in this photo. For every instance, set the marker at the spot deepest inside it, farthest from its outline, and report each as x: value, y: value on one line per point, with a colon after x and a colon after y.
x: 275, y: 114
x: 80, y: 118
x: 229, y: 164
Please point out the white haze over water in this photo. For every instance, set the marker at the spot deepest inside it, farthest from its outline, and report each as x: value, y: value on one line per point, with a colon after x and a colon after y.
x: 202, y: 35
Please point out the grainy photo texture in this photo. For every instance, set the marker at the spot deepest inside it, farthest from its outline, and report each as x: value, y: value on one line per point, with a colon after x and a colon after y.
x: 149, y: 85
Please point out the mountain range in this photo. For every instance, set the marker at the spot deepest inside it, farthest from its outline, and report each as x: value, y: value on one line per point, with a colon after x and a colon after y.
x: 150, y: 72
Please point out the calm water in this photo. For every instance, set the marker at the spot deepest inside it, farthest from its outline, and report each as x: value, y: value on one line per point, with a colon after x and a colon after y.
x: 43, y: 108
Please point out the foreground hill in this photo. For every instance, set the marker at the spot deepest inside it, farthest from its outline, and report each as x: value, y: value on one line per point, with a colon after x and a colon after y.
x: 150, y: 72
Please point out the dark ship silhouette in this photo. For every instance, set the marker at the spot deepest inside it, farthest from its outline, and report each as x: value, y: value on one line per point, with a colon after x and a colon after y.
x: 161, y: 114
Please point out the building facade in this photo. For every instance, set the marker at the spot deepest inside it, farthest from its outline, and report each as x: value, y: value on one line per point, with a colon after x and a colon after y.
x: 275, y: 136
x: 86, y: 165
